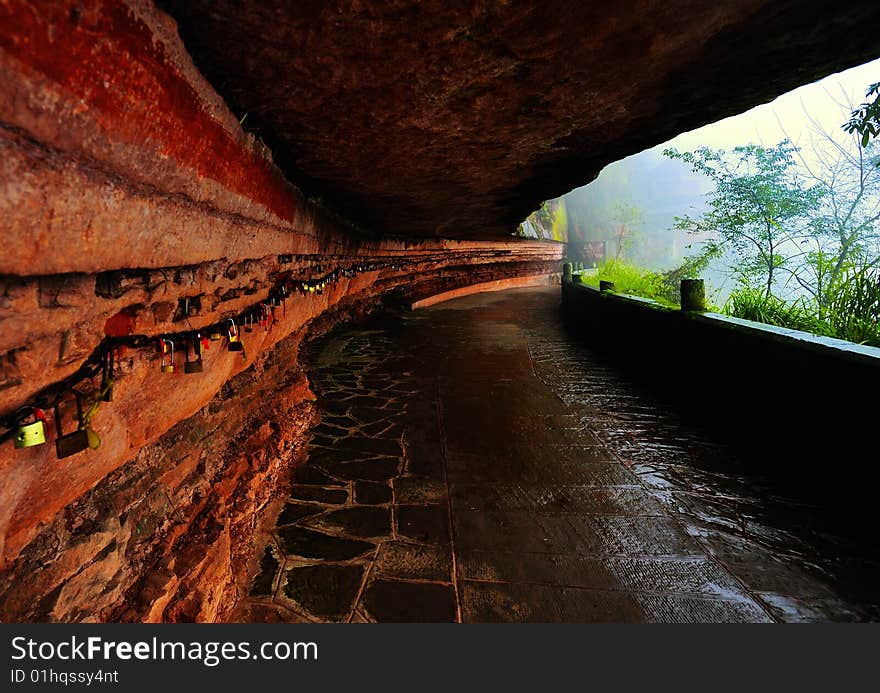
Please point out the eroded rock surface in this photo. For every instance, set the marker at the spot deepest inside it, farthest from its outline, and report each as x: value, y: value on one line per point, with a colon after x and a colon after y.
x: 459, y: 118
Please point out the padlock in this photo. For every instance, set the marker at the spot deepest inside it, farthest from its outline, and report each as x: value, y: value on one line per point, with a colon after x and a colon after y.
x: 72, y: 443
x: 31, y: 429
x: 107, y: 376
x: 194, y: 366
x: 168, y: 346
x: 249, y: 323
x: 215, y: 334
x: 234, y: 338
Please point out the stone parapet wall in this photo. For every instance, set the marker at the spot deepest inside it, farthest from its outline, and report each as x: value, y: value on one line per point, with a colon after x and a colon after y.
x: 804, y: 401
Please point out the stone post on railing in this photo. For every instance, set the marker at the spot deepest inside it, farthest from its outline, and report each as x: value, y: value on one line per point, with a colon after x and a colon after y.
x: 566, y: 272
x: 606, y: 285
x: 693, y: 295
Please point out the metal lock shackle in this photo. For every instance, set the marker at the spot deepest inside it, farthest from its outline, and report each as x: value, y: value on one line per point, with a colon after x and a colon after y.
x: 71, y: 443
x: 194, y: 366
x: 107, y: 376
x: 235, y: 343
x: 168, y: 367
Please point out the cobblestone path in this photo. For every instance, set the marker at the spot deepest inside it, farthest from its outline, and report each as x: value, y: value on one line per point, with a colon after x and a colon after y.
x: 473, y: 463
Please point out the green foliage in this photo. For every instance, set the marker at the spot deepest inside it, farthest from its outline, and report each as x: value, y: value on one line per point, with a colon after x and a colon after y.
x: 865, y: 119
x: 853, y: 308
x: 629, y: 279
x: 759, y: 208
x: 625, y: 220
x: 754, y: 304
x: 852, y: 312
x: 560, y: 222
x: 691, y: 267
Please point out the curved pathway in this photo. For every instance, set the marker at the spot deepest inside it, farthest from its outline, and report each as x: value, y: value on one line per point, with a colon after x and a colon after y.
x: 473, y: 463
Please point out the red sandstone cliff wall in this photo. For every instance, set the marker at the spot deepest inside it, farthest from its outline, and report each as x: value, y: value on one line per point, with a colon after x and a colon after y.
x: 127, y: 187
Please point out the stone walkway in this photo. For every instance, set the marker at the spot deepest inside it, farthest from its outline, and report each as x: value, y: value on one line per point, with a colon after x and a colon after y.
x: 473, y: 463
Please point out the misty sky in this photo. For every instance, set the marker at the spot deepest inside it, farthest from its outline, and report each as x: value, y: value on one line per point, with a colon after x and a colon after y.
x: 662, y: 188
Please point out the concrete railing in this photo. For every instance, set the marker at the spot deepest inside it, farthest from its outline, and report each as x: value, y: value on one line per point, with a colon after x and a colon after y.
x: 770, y: 386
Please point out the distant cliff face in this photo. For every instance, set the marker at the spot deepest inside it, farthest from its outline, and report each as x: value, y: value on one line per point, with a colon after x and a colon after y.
x: 549, y: 223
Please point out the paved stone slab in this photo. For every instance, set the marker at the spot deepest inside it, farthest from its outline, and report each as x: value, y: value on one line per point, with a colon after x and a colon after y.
x: 306, y: 543
x: 332, y: 496
x: 359, y: 521
x: 676, y: 609
x: 293, y: 512
x: 585, y: 500
x: 831, y: 610
x: 416, y: 489
x: 312, y: 475
x: 425, y: 523
x: 411, y: 561
x: 326, y: 591
x: 372, y: 493
x: 377, y: 469
x: 262, y: 612
x: 687, y: 576
x: 632, y: 536
x: 410, y: 602
x: 522, y: 603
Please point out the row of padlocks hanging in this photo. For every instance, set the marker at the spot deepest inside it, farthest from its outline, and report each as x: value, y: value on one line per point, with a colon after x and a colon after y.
x: 31, y: 429
x: 31, y: 421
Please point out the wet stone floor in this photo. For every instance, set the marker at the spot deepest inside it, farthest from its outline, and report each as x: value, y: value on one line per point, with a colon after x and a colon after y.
x: 475, y: 463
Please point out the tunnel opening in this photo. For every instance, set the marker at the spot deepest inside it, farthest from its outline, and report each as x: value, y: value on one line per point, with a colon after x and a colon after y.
x: 775, y: 212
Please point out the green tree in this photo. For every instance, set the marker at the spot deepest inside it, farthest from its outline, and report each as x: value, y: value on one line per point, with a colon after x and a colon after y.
x: 845, y: 230
x: 759, y: 208
x: 625, y: 220
x: 865, y: 120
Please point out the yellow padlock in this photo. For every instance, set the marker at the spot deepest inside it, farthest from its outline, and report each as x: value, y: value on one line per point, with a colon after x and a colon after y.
x: 30, y: 433
x: 234, y: 338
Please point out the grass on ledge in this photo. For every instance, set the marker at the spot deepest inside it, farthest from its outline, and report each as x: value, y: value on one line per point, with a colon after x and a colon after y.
x: 633, y: 280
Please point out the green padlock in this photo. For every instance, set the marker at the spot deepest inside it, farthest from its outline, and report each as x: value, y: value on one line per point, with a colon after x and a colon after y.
x: 31, y: 429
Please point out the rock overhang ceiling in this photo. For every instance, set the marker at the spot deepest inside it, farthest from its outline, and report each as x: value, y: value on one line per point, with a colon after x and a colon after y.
x: 457, y: 119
